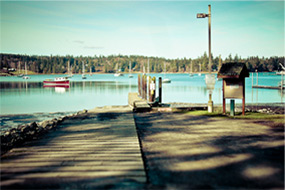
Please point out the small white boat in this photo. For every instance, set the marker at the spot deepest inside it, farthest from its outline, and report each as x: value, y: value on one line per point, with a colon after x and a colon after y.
x: 281, y: 72
x: 191, y: 71
x: 83, y: 70
x: 199, y: 70
x: 165, y: 80
x: 26, y: 73
x: 26, y: 77
x: 118, y: 72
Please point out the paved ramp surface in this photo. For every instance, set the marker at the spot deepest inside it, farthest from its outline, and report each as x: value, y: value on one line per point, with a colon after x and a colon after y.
x: 99, y: 151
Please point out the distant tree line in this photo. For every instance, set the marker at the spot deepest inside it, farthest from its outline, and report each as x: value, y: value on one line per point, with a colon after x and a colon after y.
x: 109, y: 64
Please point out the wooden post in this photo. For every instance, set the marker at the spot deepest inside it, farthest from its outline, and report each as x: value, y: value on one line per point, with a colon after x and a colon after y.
x: 139, y: 84
x: 160, y: 90
x: 224, y: 100
x: 252, y: 79
x: 153, y: 96
x: 149, y: 91
x: 232, y: 110
x: 243, y: 96
x: 256, y: 77
x: 281, y: 87
x: 152, y: 87
x: 143, y: 95
x: 144, y: 87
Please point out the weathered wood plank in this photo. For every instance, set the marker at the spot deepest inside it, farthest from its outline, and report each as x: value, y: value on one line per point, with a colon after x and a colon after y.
x: 93, y: 148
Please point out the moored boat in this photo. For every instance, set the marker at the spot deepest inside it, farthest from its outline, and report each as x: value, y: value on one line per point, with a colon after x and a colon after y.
x: 166, y: 80
x: 57, y: 82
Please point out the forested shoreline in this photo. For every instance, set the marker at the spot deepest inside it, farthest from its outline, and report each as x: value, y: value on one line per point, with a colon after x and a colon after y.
x: 54, y: 64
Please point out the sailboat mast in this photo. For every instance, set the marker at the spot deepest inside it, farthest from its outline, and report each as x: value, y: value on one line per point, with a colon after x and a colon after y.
x: 19, y: 67
x: 220, y: 62
x: 68, y: 67
x: 26, y: 72
x: 148, y: 66
x: 83, y: 67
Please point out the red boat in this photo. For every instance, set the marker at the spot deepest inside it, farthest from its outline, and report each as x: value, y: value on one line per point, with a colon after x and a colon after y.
x: 57, y: 82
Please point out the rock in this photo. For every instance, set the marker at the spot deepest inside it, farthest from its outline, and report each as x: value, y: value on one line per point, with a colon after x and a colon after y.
x: 48, y: 124
x: 33, y: 126
x: 25, y: 128
x: 82, y: 112
x: 40, y: 130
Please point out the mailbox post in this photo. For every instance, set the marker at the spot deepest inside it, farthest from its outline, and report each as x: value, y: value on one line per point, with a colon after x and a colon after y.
x: 233, y: 75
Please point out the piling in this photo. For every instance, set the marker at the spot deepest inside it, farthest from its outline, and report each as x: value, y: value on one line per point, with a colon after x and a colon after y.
x: 152, y: 87
x: 139, y: 85
x: 232, y: 111
x: 160, y: 90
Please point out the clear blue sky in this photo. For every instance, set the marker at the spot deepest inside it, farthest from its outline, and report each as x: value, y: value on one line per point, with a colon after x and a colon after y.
x: 152, y: 28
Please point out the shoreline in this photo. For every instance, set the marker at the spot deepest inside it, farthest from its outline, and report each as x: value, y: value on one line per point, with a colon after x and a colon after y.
x: 9, y: 121
x: 35, y: 127
x: 125, y: 73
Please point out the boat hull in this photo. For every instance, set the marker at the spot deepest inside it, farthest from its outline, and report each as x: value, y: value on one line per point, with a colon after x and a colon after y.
x: 56, y: 83
x: 166, y: 81
x: 55, y: 86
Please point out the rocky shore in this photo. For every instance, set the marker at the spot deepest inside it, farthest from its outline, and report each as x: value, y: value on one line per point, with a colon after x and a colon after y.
x: 22, y: 133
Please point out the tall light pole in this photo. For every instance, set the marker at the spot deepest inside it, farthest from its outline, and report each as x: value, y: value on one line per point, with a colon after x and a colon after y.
x: 204, y: 15
x: 210, y: 79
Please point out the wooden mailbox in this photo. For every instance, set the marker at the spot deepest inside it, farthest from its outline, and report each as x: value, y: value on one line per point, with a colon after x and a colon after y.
x: 233, y: 75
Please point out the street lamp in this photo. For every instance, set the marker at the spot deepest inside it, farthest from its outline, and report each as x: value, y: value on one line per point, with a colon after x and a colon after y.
x: 210, y: 79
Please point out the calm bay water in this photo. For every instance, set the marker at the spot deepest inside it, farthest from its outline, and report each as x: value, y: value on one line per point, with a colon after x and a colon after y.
x: 19, y: 96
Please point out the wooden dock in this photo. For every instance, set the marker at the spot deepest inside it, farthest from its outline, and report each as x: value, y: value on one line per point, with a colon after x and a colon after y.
x: 98, y: 151
x: 137, y: 103
x: 269, y: 87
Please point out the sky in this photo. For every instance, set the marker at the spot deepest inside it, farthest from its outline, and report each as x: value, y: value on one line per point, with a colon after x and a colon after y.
x: 167, y: 29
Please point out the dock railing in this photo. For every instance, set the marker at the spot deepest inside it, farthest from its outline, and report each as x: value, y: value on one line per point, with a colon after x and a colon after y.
x: 147, y: 88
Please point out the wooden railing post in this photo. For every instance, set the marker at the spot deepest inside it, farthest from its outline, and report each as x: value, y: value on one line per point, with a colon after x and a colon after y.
x: 160, y: 90
x: 152, y: 87
x: 145, y: 87
x: 139, y: 85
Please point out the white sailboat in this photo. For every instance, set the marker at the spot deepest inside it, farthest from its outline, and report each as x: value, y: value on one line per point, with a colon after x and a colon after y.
x: 26, y: 72
x: 165, y: 80
x: 83, y: 70
x: 130, y: 70
x: 20, y: 74
x: 281, y: 72
x: 90, y: 72
x: 118, y: 72
x: 199, y: 69
x: 191, y: 70
x: 69, y: 70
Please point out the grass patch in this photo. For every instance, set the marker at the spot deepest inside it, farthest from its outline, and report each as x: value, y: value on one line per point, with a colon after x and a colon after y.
x: 205, y: 113
x: 276, y: 118
x: 279, y: 118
